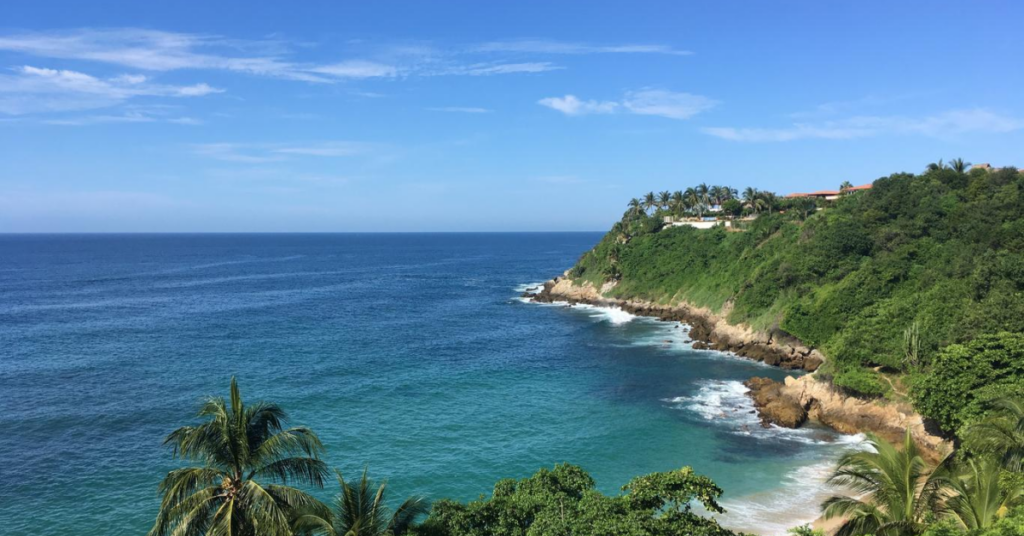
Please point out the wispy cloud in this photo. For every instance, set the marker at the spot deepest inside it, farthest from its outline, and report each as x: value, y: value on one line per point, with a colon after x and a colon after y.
x: 161, y: 51
x: 460, y: 109
x: 944, y: 124
x: 35, y: 89
x: 264, y: 153
x: 544, y: 46
x: 573, y: 105
x: 357, y: 69
x: 667, y: 103
x: 663, y: 103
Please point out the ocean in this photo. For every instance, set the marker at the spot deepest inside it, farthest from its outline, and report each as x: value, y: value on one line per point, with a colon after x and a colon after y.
x: 410, y: 354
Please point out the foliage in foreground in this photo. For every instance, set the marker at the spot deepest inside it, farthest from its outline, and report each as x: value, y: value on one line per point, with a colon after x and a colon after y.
x: 245, y: 458
x: 361, y: 510
x: 881, y: 278
x: 563, y: 501
x: 237, y: 450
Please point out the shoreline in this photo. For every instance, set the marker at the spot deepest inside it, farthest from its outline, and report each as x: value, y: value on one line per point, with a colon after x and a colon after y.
x: 815, y: 400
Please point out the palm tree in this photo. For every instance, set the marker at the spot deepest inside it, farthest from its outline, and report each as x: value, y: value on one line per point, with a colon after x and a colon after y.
x: 959, y: 165
x: 650, y: 201
x: 980, y: 498
x: 1001, y: 434
x: 750, y: 197
x: 663, y: 199
x: 936, y: 166
x: 731, y: 193
x: 361, y: 511
x: 678, y: 202
x: 635, y: 207
x: 233, y: 447
x: 703, y: 191
x: 846, y: 185
x: 895, y: 489
x: 770, y: 201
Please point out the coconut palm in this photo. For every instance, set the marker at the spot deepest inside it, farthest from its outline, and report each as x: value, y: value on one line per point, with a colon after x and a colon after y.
x: 936, y: 166
x: 750, y: 196
x: 635, y: 207
x: 959, y: 165
x: 663, y: 199
x: 769, y: 201
x: 980, y: 497
x: 361, y: 511
x: 235, y: 449
x: 704, y: 192
x: 678, y: 202
x: 1001, y: 434
x: 650, y: 201
x: 894, y: 490
x: 846, y: 185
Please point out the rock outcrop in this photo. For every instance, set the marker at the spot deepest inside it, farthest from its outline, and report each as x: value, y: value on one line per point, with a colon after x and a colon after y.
x: 774, y: 406
x: 828, y: 405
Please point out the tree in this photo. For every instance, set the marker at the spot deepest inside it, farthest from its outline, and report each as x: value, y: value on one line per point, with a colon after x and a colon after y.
x: 936, y: 166
x: 845, y: 186
x: 959, y: 165
x: 663, y: 199
x: 965, y: 380
x: 750, y: 197
x: 234, y: 446
x: 650, y: 201
x: 895, y: 490
x: 362, y: 511
x: 635, y: 207
x: 1000, y: 434
x: 561, y: 501
x: 979, y: 496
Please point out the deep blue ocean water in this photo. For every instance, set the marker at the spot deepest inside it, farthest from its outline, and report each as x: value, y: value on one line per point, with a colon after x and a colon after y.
x: 407, y: 352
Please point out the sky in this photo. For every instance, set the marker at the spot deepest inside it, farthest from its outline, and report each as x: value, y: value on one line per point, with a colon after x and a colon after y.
x: 479, y: 116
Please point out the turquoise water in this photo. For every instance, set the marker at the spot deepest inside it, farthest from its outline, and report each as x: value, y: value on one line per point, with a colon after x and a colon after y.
x: 410, y: 353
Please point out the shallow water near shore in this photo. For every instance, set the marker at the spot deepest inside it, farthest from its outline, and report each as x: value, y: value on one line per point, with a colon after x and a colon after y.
x: 408, y: 352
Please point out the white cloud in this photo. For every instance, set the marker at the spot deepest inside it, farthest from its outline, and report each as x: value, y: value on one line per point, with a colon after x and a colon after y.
x: 944, y: 124
x: 542, y: 46
x: 643, y: 102
x: 571, y: 105
x: 264, y: 153
x: 357, y: 69
x: 461, y: 109
x: 160, y: 51
x: 666, y: 103
x: 34, y: 89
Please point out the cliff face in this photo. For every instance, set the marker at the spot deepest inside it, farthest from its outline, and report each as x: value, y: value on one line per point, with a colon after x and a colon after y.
x: 707, y: 328
x: 788, y: 404
x: 808, y: 398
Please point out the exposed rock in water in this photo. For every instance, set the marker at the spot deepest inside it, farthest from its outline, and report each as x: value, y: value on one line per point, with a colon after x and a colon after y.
x: 774, y: 405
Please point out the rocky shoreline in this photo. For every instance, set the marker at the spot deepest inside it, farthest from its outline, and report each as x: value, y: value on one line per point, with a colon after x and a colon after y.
x: 710, y: 331
x: 788, y: 404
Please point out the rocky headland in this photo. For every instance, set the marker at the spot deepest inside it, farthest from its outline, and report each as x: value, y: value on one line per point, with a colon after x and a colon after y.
x: 788, y: 404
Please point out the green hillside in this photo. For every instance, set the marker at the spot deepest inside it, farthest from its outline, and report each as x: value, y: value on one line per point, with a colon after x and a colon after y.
x: 882, y: 280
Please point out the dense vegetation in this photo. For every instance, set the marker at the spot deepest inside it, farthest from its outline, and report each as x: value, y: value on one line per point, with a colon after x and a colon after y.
x: 245, y: 458
x: 889, y: 280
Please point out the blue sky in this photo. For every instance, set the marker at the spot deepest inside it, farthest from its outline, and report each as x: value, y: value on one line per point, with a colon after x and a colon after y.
x: 479, y: 116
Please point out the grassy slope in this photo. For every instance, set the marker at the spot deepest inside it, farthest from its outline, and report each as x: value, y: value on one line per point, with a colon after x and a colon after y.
x: 942, y: 249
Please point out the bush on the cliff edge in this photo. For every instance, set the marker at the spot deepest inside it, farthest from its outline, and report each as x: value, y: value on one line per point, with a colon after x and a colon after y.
x: 965, y: 379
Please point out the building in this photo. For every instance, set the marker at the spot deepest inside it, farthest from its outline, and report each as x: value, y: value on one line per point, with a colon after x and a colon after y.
x: 830, y: 195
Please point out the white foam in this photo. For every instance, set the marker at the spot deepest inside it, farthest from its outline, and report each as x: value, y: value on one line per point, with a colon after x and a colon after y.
x: 613, y: 315
x: 796, y: 501
x: 726, y: 404
x: 529, y: 287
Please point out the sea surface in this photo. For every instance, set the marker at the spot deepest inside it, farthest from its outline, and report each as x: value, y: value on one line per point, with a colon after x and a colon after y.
x: 407, y: 353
